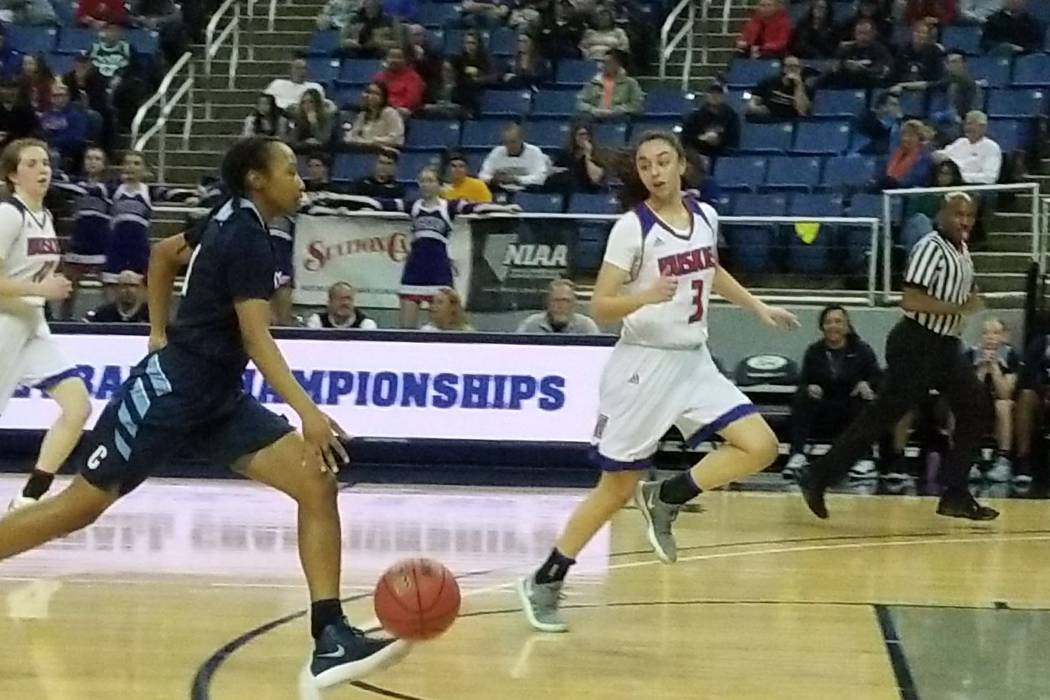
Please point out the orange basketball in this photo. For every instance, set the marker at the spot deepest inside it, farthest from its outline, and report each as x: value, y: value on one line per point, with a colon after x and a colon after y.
x: 417, y: 599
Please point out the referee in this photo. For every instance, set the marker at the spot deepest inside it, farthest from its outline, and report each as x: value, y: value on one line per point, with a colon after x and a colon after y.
x: 923, y: 353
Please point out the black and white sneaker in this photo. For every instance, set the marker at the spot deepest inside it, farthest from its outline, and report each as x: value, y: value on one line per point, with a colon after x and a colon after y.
x: 344, y: 653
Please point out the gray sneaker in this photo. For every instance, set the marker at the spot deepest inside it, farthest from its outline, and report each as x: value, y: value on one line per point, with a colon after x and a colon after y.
x: 659, y: 517
x: 540, y: 602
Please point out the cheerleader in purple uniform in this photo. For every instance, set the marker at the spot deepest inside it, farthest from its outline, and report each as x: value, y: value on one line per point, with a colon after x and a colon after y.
x: 132, y: 213
x: 428, y: 268
x: 91, y: 223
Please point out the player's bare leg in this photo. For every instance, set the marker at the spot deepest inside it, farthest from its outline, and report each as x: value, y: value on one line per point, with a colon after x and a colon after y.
x: 409, y: 314
x: 75, y: 508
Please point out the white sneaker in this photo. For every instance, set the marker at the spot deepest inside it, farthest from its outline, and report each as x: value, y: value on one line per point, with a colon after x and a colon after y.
x: 1001, y: 471
x: 794, y: 465
x: 976, y: 475
x: 1022, y: 479
x: 898, y: 477
x: 863, y: 469
x: 20, y: 501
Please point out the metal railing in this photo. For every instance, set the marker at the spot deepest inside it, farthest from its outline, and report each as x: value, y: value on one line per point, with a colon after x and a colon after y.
x: 1044, y: 230
x: 166, y: 101
x: 215, y: 40
x: 669, y: 44
x: 1038, y: 245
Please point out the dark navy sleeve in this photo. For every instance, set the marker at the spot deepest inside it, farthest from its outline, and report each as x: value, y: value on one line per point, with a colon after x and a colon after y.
x: 250, y: 264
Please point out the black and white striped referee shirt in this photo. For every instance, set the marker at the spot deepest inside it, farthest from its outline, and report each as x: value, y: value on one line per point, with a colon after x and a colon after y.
x: 946, y: 274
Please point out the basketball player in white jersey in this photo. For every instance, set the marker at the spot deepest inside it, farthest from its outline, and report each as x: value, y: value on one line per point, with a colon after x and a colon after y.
x: 29, y: 356
x: 660, y: 267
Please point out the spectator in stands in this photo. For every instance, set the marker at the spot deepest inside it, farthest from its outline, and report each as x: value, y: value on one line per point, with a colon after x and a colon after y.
x: 319, y: 174
x: 920, y: 210
x: 341, y: 313
x: 714, y: 128
x: 463, y: 185
x: 933, y: 13
x: 288, y: 91
x: 581, y: 166
x: 611, y: 94
x: 525, y: 15
x: 337, y: 14
x: 560, y: 316
x: 863, y: 63
x: 839, y: 376
x: 266, y: 119
x: 89, y: 89
x: 474, y: 68
x: 313, y: 123
x: 1012, y: 30
x: 910, y: 164
x: 767, y: 33
x: 377, y: 124
x: 527, y: 69
x: 484, y: 13
x: 815, y: 35
x: 603, y: 36
x: 447, y: 98
x: 129, y: 304
x: 30, y: 12
x: 371, y: 32
x: 447, y: 313
x: 1032, y: 408
x: 404, y: 86
x: 515, y: 165
x: 65, y: 127
x: 98, y: 13
x: 872, y: 11
x: 880, y: 127
x: 978, y: 11
x: 963, y: 95
x: 560, y: 31
x: 382, y: 183
x: 920, y: 63
x: 165, y: 18
x: 419, y: 53
x: 781, y: 98
x: 17, y: 118
x: 979, y: 158
x: 110, y: 53
x: 997, y: 366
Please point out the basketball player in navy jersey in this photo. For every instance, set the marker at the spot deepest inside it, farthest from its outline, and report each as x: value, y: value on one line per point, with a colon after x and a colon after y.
x: 188, y: 392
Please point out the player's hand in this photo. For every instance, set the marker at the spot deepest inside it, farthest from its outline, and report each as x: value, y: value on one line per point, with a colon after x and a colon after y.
x: 663, y: 290
x: 323, y: 449
x: 864, y: 391
x: 55, y: 287
x: 157, y: 341
x: 815, y: 391
x: 778, y: 317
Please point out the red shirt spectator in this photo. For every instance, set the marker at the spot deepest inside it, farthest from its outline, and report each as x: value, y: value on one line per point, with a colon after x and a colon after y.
x: 94, y: 12
x: 767, y: 33
x: 403, y: 83
x: 940, y: 12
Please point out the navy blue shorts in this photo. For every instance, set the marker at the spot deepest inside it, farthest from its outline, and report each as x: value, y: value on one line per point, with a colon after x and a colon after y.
x: 126, y: 445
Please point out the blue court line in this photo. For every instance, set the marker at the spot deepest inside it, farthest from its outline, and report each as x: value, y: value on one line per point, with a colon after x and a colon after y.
x: 894, y: 647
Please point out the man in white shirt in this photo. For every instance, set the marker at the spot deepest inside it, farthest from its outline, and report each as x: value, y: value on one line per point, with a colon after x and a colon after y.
x: 978, y: 157
x: 287, y: 92
x: 515, y: 165
x: 560, y: 316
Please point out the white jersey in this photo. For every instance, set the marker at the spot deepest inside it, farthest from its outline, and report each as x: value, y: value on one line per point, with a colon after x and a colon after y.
x: 28, y: 245
x: 648, y: 248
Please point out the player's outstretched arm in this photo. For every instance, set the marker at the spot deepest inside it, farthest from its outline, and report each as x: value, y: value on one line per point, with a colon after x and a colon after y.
x: 732, y: 291
x: 609, y: 305
x: 166, y: 258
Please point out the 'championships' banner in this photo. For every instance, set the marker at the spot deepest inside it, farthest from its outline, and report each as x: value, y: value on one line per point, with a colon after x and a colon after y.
x: 388, y: 389
x: 368, y: 252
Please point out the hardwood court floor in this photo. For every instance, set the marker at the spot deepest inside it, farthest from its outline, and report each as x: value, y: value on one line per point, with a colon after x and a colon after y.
x: 181, y: 590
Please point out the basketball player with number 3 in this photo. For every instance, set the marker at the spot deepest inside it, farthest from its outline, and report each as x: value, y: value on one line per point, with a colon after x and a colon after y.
x: 661, y: 265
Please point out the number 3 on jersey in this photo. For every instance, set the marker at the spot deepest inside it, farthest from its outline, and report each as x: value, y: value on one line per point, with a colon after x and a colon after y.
x: 698, y: 301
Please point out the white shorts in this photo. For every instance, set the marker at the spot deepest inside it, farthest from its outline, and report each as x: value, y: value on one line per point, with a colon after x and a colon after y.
x: 644, y: 391
x: 29, y: 356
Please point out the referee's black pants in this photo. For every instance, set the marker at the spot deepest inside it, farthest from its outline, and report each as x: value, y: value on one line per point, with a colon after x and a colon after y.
x: 917, y: 360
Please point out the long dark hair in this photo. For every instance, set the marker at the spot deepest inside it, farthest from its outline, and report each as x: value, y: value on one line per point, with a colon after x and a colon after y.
x: 384, y: 95
x: 633, y: 191
x: 946, y: 165
x: 851, y: 334
x: 266, y: 122
x: 247, y: 154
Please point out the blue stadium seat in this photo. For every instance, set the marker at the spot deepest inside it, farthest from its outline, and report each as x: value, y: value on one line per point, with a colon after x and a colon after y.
x: 1046, y: 40
x: 358, y: 71
x: 143, y: 41
x: 735, y: 99
x: 740, y: 173
x: 574, y: 71
x: 350, y: 166
x: 839, y: 103
x: 1040, y: 9
x: 590, y: 244
x: 503, y: 42
x: 604, y: 203
x: 963, y: 38
x: 1032, y: 70
x: 454, y: 41
x: 849, y: 172
x: 409, y: 165
x: 753, y: 246
x: 913, y: 104
x: 993, y: 70
x: 814, y: 257
x: 65, y: 12
x: 1010, y: 134
x: 323, y: 42
x: 792, y: 173
x: 765, y: 138
x: 668, y: 103
x: 610, y: 134
x: 540, y: 202
x: 548, y: 134
x: 425, y: 135
x: 815, y: 205
x: 481, y: 134
x: 60, y: 63
x: 748, y: 72
x: 323, y: 70
x: 640, y: 126
x: 1016, y: 103
x: 438, y: 15
x: 75, y: 40
x: 760, y: 205
x: 31, y: 39
x: 554, y: 103
x: 506, y: 103
x: 821, y: 137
